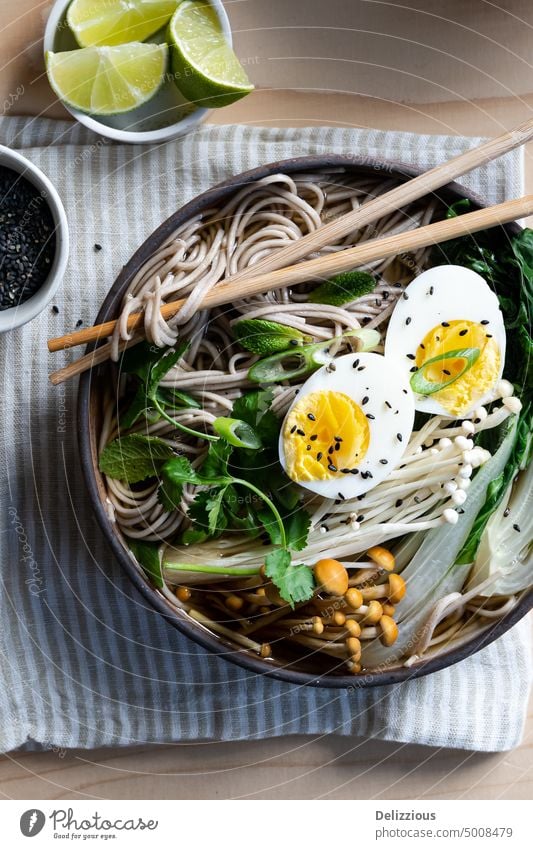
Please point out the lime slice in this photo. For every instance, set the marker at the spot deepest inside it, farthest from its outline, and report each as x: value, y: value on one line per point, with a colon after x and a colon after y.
x: 97, y: 22
x: 205, y: 68
x: 107, y: 80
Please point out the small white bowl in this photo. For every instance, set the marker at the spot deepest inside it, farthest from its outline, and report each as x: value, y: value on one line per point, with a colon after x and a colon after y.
x: 165, y: 116
x: 18, y: 315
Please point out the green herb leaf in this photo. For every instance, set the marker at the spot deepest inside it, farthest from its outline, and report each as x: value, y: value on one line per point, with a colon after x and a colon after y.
x: 343, y: 288
x: 192, y: 536
x: 174, y: 473
x: 295, y: 583
x: 177, y: 400
x: 419, y: 382
x: 266, y: 337
x: 147, y: 554
x: 217, y: 520
x: 215, y: 466
x: 160, y: 368
x: 134, y: 458
x: 297, y: 526
x: 255, y: 409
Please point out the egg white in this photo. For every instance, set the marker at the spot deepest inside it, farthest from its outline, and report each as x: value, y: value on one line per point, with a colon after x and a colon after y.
x: 390, y: 430
x: 443, y: 293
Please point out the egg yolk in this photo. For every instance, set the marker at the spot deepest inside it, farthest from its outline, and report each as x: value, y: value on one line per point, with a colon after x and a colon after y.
x: 462, y: 393
x: 325, y: 435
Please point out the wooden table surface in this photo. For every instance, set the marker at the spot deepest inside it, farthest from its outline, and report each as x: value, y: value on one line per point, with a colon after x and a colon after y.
x: 429, y: 66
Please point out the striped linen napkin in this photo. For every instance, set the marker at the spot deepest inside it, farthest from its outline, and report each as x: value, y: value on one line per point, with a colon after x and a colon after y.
x: 84, y: 661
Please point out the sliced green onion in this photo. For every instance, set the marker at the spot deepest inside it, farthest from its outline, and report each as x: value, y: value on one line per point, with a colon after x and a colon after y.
x: 306, y: 358
x: 237, y: 432
x: 422, y: 386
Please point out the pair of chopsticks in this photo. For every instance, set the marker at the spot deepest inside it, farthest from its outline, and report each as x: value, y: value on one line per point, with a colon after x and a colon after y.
x: 283, y: 268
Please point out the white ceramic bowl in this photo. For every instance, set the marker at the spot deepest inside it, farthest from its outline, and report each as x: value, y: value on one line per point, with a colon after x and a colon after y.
x: 22, y: 313
x: 166, y: 116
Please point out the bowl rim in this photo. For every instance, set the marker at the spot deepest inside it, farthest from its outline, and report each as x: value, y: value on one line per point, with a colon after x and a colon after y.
x: 198, y: 633
x: 172, y: 131
x: 20, y: 314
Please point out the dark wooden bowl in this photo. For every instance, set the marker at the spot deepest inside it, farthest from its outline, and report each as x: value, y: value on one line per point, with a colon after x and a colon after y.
x: 294, y: 670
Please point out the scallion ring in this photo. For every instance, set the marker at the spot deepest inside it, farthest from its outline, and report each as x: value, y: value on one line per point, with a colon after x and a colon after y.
x: 237, y: 433
x: 423, y: 386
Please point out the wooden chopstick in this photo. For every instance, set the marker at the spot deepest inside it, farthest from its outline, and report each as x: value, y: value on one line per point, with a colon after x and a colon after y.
x: 326, y: 266
x: 369, y: 212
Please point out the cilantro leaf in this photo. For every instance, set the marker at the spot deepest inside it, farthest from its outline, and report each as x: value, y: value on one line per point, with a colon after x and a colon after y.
x: 173, y: 475
x: 295, y: 583
x: 134, y: 457
x: 297, y: 526
x: 215, y: 465
x: 147, y: 554
x: 254, y: 408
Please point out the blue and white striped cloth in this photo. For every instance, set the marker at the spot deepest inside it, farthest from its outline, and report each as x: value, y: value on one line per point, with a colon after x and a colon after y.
x: 83, y: 660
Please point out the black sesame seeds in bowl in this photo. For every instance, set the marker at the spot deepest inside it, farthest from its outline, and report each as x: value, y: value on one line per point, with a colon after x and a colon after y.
x: 33, y: 240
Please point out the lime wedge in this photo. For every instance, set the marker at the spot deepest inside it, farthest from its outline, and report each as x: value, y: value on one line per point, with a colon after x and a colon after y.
x: 107, y: 80
x: 97, y: 22
x: 205, y: 68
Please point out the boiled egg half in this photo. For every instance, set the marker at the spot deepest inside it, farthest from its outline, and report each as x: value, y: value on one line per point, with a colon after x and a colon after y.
x: 348, y: 427
x: 447, y: 336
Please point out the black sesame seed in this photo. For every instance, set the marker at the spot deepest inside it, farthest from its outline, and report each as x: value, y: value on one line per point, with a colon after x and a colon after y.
x: 399, y: 502
x: 293, y: 429
x: 477, y: 421
x: 314, y: 437
x: 399, y: 437
x: 341, y: 496
x: 331, y: 449
x: 319, y: 455
x: 422, y: 346
x: 355, y: 363
x: 463, y: 332
x: 383, y: 462
x: 332, y: 467
x: 300, y: 432
x: 405, y: 296
x: 361, y: 368
x: 488, y: 335
x: 408, y: 320
x: 388, y: 405
x: 55, y: 310
x: 337, y: 446
x: 413, y: 368
x: 365, y: 400
x: 360, y: 518
x: 385, y: 296
x: 410, y: 356
x: 345, y: 471
x: 337, y: 439
x: 311, y: 417
x: 445, y: 323
x: 405, y: 392
x: 293, y: 342
x: 445, y: 371
x: 516, y: 527
x: 506, y: 512
x: 79, y: 322
x: 370, y: 416
x: 485, y: 321
x: 97, y: 247
x: 431, y: 290
x: 354, y: 471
